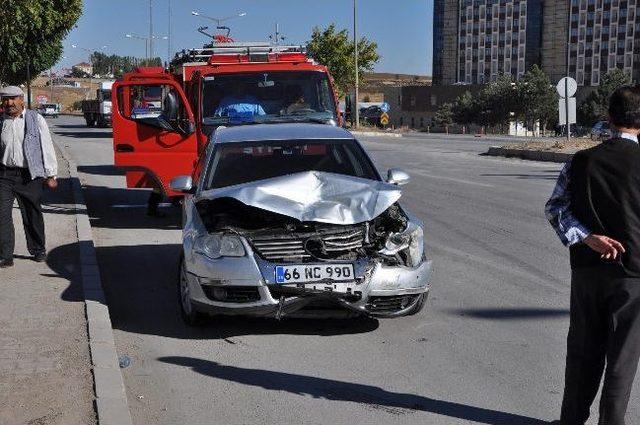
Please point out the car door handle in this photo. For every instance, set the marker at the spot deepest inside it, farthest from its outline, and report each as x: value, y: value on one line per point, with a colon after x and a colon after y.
x: 123, y: 147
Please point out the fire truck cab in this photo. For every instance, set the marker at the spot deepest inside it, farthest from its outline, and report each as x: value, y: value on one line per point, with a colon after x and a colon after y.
x: 163, y: 118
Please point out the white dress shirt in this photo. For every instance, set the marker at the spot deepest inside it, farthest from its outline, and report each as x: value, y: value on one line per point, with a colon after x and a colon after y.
x: 12, y: 139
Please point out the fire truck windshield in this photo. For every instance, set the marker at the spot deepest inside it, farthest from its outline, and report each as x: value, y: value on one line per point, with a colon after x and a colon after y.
x: 267, y: 97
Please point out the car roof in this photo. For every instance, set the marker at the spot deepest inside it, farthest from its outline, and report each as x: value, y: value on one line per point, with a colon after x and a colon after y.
x: 288, y: 131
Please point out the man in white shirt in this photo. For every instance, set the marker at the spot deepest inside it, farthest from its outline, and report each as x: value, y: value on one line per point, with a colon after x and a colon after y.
x: 27, y: 164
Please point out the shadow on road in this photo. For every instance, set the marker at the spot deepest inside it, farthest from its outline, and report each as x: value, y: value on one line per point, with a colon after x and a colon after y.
x: 101, y: 170
x: 511, y: 313
x: 526, y: 176
x: 330, y: 389
x: 98, y: 134
x: 120, y: 208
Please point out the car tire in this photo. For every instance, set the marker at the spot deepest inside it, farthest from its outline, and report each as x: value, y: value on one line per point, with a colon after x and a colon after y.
x: 189, y: 314
x: 419, y: 305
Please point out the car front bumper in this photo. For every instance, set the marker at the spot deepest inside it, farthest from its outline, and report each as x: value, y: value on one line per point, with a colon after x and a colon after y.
x: 246, y: 286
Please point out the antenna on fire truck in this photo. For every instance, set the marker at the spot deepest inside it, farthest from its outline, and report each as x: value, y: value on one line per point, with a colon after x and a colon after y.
x: 217, y: 38
x: 276, y: 37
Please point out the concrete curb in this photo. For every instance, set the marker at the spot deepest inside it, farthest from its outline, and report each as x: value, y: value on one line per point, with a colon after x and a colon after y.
x: 111, y: 398
x: 375, y: 133
x: 545, y: 156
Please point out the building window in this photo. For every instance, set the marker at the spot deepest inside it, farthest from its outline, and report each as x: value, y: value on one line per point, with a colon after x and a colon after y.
x: 595, y: 78
x: 434, y: 100
x: 421, y: 121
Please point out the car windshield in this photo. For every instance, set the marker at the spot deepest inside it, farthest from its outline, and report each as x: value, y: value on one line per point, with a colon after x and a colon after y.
x: 237, y: 163
x: 267, y: 98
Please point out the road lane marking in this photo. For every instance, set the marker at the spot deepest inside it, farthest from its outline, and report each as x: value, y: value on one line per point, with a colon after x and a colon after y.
x: 452, y: 179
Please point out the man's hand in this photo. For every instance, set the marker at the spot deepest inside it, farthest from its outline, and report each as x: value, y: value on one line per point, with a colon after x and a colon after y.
x: 608, y: 248
x: 51, y: 182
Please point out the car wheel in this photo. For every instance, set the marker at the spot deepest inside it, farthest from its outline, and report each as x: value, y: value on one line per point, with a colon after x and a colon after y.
x: 189, y: 314
x: 419, y: 305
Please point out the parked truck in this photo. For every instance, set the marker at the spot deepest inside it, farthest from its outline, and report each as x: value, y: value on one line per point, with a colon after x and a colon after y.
x: 163, y: 118
x: 98, y: 111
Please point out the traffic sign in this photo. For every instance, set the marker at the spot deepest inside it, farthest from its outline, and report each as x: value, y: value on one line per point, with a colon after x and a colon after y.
x: 567, y: 86
x: 563, y: 111
x: 41, y: 98
x: 384, y: 118
x: 385, y: 107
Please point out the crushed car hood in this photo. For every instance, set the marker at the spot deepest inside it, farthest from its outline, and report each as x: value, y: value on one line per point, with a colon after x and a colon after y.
x: 314, y: 196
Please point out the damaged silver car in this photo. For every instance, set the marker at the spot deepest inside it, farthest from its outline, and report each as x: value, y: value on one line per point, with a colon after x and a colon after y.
x: 295, y: 220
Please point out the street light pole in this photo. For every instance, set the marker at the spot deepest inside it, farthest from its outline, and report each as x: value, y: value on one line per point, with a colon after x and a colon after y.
x: 566, y: 85
x: 169, y: 36
x: 150, y: 29
x: 355, y: 46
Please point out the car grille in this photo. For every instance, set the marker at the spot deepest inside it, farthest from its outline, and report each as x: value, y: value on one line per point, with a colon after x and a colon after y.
x: 233, y: 294
x: 390, y: 304
x: 326, y: 244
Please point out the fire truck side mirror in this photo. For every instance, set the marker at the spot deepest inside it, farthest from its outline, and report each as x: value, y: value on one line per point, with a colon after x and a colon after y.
x: 170, y: 106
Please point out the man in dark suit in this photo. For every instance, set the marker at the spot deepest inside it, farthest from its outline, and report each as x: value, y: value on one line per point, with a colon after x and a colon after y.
x: 602, y: 227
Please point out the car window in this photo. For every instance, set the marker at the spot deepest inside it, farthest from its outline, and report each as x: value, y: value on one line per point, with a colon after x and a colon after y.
x: 237, y: 163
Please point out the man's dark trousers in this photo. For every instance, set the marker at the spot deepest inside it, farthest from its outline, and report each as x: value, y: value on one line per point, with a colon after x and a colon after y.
x: 17, y: 183
x: 604, y: 327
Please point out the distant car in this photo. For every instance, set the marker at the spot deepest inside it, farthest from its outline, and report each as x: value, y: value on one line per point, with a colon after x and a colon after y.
x: 371, y: 115
x: 49, y: 109
x: 601, y: 130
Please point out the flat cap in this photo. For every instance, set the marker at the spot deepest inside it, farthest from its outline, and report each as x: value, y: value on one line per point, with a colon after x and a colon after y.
x: 11, y: 91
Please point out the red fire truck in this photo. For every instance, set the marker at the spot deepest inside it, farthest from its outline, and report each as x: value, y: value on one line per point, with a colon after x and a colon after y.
x: 162, y: 118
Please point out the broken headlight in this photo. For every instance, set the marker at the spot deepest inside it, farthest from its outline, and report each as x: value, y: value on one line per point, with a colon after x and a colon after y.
x: 216, y: 245
x: 416, y: 245
x: 408, y: 245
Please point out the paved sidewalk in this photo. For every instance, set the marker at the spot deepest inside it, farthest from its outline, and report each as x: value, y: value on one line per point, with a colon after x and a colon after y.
x: 45, y: 372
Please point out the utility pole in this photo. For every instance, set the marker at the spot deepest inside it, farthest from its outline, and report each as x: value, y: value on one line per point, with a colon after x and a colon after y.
x: 355, y: 46
x: 150, y: 29
x: 169, y: 47
x: 566, y: 86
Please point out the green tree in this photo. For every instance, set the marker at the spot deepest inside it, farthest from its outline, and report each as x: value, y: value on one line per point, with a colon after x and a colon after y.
x: 495, y: 103
x: 31, y: 32
x: 537, y: 98
x: 464, y: 109
x: 444, y: 116
x: 335, y: 50
x: 594, y: 107
x: 78, y: 73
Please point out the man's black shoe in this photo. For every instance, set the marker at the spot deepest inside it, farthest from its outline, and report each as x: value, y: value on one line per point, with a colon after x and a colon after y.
x: 6, y: 263
x: 40, y: 257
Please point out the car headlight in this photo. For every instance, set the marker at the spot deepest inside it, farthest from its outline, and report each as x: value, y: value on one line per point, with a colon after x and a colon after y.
x: 416, y: 246
x: 218, y: 245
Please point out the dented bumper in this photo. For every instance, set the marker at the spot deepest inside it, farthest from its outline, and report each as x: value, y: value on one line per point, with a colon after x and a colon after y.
x: 246, y: 286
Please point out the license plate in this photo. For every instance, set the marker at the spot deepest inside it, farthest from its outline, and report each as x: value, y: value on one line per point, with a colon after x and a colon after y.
x: 303, y: 273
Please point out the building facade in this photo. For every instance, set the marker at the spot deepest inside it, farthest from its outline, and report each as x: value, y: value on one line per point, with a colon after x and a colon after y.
x: 603, y: 37
x: 490, y: 37
x: 509, y: 36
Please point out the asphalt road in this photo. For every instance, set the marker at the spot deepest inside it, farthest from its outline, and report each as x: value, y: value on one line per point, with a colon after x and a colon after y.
x: 489, y: 348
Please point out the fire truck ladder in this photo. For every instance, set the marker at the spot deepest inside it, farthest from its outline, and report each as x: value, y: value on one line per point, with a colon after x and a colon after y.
x: 257, y: 52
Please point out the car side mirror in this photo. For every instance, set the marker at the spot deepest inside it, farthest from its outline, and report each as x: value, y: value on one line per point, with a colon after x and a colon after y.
x: 398, y: 177
x: 182, y: 184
